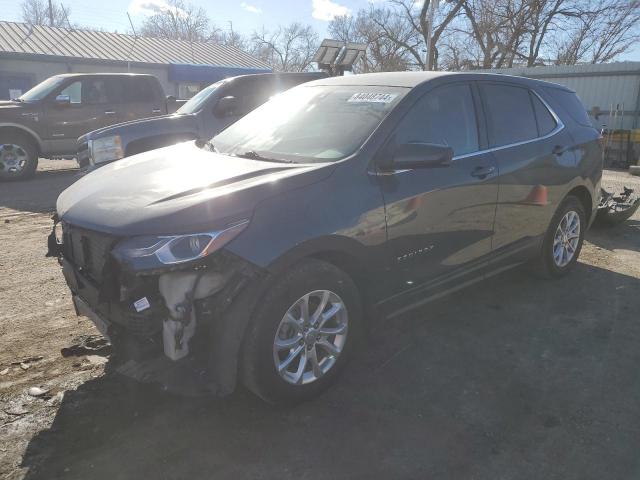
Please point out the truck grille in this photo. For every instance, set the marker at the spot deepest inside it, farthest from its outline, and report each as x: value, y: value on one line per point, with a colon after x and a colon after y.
x: 87, y: 250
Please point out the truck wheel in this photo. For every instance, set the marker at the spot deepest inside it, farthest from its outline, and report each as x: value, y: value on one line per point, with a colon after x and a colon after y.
x: 563, y: 240
x: 302, y: 333
x: 18, y: 157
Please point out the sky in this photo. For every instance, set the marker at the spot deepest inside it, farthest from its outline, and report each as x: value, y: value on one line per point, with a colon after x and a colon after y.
x: 244, y: 16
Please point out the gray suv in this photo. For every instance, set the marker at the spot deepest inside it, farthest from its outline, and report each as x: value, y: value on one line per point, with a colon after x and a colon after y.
x: 337, y: 202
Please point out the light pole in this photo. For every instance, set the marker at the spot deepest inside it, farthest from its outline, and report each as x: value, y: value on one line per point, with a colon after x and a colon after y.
x: 433, y: 6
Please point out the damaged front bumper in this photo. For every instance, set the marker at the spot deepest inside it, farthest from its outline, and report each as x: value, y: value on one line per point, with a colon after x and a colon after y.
x: 180, y: 327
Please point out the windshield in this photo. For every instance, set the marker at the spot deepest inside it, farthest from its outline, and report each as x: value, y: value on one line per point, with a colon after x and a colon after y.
x: 196, y: 102
x: 42, y: 89
x: 310, y: 123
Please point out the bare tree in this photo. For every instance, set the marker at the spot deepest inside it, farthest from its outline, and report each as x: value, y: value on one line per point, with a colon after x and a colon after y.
x: 36, y: 12
x: 286, y: 49
x: 600, y: 32
x: 383, y: 54
x: 179, y: 21
x: 419, y: 23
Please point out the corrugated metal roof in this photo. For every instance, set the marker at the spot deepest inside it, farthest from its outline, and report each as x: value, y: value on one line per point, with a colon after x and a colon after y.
x: 26, y: 39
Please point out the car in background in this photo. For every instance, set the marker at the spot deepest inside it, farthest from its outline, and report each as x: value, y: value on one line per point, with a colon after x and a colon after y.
x: 47, y: 120
x: 209, y: 112
x: 262, y: 257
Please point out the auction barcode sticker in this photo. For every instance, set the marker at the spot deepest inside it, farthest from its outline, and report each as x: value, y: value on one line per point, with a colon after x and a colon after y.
x: 373, y: 97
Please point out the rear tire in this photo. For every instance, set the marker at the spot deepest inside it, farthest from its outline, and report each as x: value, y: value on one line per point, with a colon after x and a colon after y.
x: 278, y: 333
x: 18, y: 156
x: 563, y: 240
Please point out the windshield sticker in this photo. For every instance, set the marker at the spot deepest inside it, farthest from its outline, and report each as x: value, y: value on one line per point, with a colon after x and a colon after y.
x: 372, y: 97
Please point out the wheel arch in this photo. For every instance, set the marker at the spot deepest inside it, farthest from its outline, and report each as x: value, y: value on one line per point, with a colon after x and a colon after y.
x: 30, y: 134
x: 582, y: 193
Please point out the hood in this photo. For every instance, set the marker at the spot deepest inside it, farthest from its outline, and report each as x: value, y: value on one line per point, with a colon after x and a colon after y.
x: 8, y: 105
x: 178, y: 189
x: 162, y: 124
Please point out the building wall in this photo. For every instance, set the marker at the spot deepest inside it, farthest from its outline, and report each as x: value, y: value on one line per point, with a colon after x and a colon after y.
x: 19, y: 72
x: 606, y: 86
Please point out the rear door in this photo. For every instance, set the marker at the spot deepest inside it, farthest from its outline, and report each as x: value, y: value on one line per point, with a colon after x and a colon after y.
x: 440, y: 219
x: 535, y: 162
x: 143, y: 98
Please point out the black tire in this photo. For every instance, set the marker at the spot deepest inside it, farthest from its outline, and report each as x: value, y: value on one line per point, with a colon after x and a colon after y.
x: 545, y: 265
x: 20, y: 143
x: 259, y: 371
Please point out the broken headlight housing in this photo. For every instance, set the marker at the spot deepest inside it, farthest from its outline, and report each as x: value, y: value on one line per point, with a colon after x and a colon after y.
x: 148, y: 252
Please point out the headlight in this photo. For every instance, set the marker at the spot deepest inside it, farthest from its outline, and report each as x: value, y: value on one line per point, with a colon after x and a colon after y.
x: 155, y: 251
x: 105, y: 149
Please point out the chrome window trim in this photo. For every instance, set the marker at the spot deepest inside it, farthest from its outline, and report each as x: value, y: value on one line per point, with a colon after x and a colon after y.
x: 559, y: 128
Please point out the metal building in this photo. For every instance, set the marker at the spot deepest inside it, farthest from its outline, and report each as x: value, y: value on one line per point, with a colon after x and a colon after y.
x: 29, y: 54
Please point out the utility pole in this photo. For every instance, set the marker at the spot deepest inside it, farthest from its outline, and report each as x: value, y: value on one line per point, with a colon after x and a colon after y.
x: 50, y: 14
x: 433, y: 6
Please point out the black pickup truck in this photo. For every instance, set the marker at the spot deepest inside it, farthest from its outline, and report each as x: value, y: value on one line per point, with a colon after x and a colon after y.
x: 203, y: 116
x: 48, y: 119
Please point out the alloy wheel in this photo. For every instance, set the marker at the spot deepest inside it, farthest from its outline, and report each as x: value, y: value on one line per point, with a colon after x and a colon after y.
x: 566, y: 239
x: 310, y: 337
x: 13, y: 158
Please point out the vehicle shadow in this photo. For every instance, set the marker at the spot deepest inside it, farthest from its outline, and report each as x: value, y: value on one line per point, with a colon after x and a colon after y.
x: 38, y: 194
x: 624, y: 236
x: 512, y: 378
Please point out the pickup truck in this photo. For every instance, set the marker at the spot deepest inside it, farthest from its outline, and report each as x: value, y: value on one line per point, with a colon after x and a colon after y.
x: 206, y: 114
x: 48, y: 119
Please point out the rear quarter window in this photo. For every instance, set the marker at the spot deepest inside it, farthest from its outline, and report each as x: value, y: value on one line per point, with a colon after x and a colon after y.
x: 570, y: 104
x: 510, y: 114
x: 546, y: 122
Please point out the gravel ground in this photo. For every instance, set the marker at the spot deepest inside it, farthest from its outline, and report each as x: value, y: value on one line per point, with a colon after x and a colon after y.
x: 511, y: 379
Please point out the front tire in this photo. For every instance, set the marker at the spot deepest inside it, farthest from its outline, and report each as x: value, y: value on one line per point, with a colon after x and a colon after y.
x: 18, y: 157
x: 302, y: 333
x: 563, y: 241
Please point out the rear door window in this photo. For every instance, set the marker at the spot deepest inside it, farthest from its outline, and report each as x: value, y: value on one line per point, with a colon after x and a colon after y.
x: 510, y: 115
x: 444, y: 116
x: 141, y: 90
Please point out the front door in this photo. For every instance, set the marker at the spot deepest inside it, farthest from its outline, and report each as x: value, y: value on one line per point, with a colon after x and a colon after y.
x: 87, y: 110
x: 440, y: 219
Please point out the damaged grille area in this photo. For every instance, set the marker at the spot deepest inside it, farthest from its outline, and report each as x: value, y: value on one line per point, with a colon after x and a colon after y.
x: 87, y: 250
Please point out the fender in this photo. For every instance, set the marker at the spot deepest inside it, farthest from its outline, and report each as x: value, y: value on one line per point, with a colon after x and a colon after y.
x: 27, y: 130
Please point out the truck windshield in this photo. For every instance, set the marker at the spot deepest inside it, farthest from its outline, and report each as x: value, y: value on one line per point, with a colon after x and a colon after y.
x: 41, y: 90
x: 196, y: 102
x: 310, y: 123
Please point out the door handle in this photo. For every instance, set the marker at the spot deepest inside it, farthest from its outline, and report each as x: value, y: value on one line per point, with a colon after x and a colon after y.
x: 155, y: 110
x: 109, y: 112
x: 483, y: 172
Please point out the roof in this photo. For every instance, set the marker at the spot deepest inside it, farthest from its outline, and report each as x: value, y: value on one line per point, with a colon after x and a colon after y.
x: 413, y: 79
x: 22, y: 39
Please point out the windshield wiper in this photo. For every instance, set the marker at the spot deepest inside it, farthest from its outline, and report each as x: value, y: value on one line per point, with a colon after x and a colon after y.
x: 253, y: 155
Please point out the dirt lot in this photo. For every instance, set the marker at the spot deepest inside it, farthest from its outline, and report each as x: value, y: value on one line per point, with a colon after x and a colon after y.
x: 511, y: 379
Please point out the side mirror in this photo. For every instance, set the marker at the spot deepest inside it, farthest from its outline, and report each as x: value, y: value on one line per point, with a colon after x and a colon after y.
x: 63, y: 100
x: 225, y: 106
x: 421, y: 155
